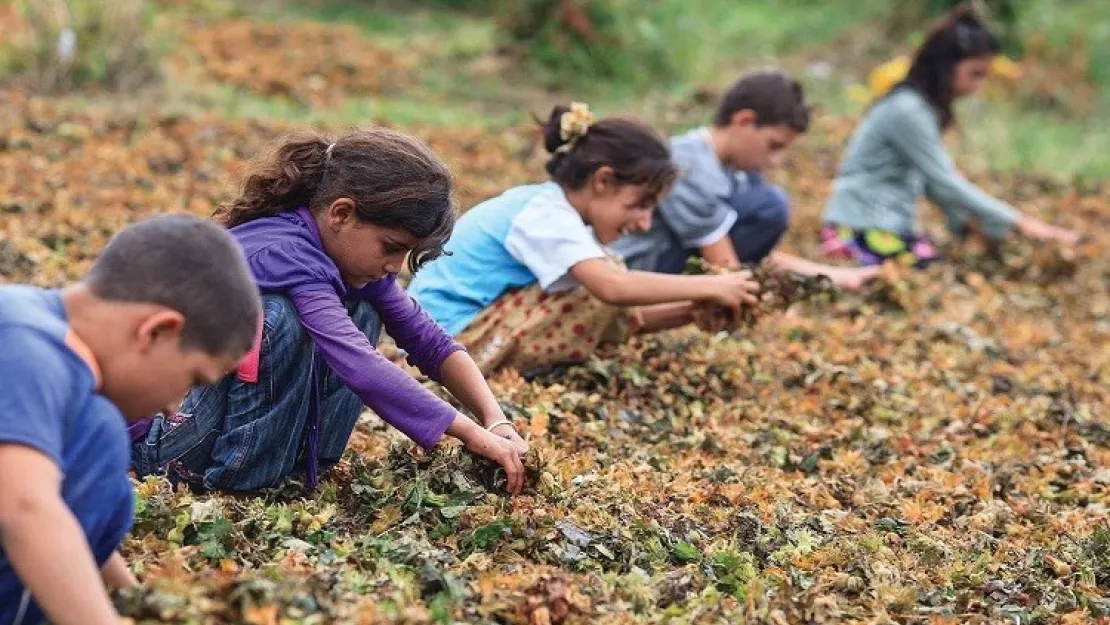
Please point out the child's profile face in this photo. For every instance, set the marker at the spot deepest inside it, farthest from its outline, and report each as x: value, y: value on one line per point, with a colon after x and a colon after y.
x: 363, y: 252
x: 752, y: 147
x: 969, y: 74
x: 155, y: 372
x: 619, y: 209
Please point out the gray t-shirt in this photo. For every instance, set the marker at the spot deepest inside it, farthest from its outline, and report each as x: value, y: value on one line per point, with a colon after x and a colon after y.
x: 696, y: 212
x: 896, y: 156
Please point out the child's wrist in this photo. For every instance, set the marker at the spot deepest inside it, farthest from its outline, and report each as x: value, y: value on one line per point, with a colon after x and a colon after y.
x: 491, y: 416
x: 463, y: 428
x: 708, y: 288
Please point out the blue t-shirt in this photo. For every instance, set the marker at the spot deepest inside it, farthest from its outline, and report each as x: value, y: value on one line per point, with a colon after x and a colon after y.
x: 527, y: 235
x: 50, y: 403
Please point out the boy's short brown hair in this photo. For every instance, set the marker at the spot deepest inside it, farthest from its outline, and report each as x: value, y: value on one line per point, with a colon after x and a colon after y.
x: 189, y: 265
x: 772, y: 95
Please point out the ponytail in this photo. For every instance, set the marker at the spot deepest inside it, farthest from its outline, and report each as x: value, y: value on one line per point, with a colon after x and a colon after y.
x: 283, y: 181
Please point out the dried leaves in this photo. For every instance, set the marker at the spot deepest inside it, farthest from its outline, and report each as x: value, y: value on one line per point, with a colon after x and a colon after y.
x: 68, y: 181
x: 778, y: 291
x: 311, y: 63
x: 932, y: 450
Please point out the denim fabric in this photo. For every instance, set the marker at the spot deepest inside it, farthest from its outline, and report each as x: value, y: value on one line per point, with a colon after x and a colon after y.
x: 241, y: 436
x: 762, y: 214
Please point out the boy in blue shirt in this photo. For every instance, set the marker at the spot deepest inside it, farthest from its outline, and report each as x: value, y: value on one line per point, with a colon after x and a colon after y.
x: 169, y: 304
x: 721, y: 208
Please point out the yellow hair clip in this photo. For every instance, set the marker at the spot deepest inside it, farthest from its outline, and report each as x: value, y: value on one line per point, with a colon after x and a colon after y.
x: 574, y: 124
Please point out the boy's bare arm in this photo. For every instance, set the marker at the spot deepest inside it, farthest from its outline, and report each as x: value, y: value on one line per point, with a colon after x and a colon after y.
x: 116, y: 573
x: 44, y: 542
x: 721, y: 254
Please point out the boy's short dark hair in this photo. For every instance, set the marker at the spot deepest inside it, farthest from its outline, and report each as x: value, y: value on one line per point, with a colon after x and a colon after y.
x: 187, y: 264
x: 772, y: 95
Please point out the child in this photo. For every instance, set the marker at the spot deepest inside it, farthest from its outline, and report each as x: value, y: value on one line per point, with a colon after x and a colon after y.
x: 168, y: 304
x: 508, y: 288
x: 896, y: 156
x: 721, y: 209
x: 326, y: 226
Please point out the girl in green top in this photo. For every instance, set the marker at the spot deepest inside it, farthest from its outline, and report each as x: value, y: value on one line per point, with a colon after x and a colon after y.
x: 896, y: 156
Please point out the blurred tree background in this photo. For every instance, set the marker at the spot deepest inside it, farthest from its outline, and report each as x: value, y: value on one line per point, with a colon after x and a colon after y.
x: 498, y: 59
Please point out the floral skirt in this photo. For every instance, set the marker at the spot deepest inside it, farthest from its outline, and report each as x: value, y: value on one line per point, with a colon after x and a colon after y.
x: 527, y: 329
x: 873, y: 247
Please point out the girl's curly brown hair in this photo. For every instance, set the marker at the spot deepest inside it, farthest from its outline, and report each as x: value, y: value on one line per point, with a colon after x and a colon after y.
x: 394, y: 180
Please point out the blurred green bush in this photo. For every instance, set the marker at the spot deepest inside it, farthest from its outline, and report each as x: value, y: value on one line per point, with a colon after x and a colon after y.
x: 59, y: 45
x: 590, y: 39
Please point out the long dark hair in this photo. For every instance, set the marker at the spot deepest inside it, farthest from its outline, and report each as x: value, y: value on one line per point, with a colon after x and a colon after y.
x: 635, y: 152
x: 394, y: 180
x: 958, y: 36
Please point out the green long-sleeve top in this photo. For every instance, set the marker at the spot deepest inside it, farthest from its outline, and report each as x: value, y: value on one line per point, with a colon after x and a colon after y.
x: 895, y: 156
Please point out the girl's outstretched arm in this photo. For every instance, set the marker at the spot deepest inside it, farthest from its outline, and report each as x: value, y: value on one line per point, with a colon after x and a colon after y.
x: 462, y: 377
x: 392, y: 393
x: 617, y: 287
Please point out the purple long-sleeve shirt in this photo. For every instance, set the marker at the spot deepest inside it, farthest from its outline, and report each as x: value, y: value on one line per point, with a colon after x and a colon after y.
x: 286, y: 256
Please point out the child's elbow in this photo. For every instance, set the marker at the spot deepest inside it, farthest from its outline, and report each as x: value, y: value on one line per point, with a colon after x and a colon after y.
x: 609, y: 292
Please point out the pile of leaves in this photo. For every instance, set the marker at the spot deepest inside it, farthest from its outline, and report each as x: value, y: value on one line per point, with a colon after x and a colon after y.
x: 307, y: 62
x: 778, y: 291
x: 68, y: 180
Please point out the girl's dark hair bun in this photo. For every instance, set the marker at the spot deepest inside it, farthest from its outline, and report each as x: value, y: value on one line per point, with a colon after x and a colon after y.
x: 553, y: 129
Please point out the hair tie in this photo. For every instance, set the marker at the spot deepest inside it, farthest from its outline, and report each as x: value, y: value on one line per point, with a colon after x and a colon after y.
x: 327, y: 153
x: 573, y: 125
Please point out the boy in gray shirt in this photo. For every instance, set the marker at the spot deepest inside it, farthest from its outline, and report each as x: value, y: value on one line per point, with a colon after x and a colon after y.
x: 720, y: 208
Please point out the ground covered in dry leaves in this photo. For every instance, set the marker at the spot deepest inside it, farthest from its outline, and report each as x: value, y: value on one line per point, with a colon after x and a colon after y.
x: 935, y: 450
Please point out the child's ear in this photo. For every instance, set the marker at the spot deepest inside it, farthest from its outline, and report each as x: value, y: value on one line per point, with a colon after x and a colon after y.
x: 340, y: 212
x: 161, y: 325
x: 744, y: 118
x: 603, y: 180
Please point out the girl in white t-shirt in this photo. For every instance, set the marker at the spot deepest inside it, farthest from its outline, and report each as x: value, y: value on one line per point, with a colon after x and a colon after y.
x: 526, y: 282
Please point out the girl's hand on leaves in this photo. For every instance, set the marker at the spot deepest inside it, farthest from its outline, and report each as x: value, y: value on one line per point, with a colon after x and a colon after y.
x: 503, y: 451
x: 506, y: 431
x: 732, y: 290
x: 1040, y: 231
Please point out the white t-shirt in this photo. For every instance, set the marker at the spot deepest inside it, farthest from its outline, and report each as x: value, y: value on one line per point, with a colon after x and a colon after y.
x: 549, y: 237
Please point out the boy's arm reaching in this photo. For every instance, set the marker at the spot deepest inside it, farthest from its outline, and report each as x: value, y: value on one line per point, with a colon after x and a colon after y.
x: 721, y: 254
x: 44, y: 542
x: 117, y: 574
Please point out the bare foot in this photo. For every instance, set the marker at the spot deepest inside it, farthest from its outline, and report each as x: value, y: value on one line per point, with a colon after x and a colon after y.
x: 851, y: 278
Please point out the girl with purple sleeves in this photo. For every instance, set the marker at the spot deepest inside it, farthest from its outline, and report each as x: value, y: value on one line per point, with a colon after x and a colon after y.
x: 326, y: 226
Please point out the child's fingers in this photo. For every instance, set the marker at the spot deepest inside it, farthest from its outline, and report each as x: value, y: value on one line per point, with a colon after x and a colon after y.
x: 515, y: 469
x: 519, y: 444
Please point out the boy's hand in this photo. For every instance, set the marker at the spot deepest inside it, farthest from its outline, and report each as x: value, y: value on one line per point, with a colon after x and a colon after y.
x: 44, y: 542
x: 852, y: 278
x: 117, y: 574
